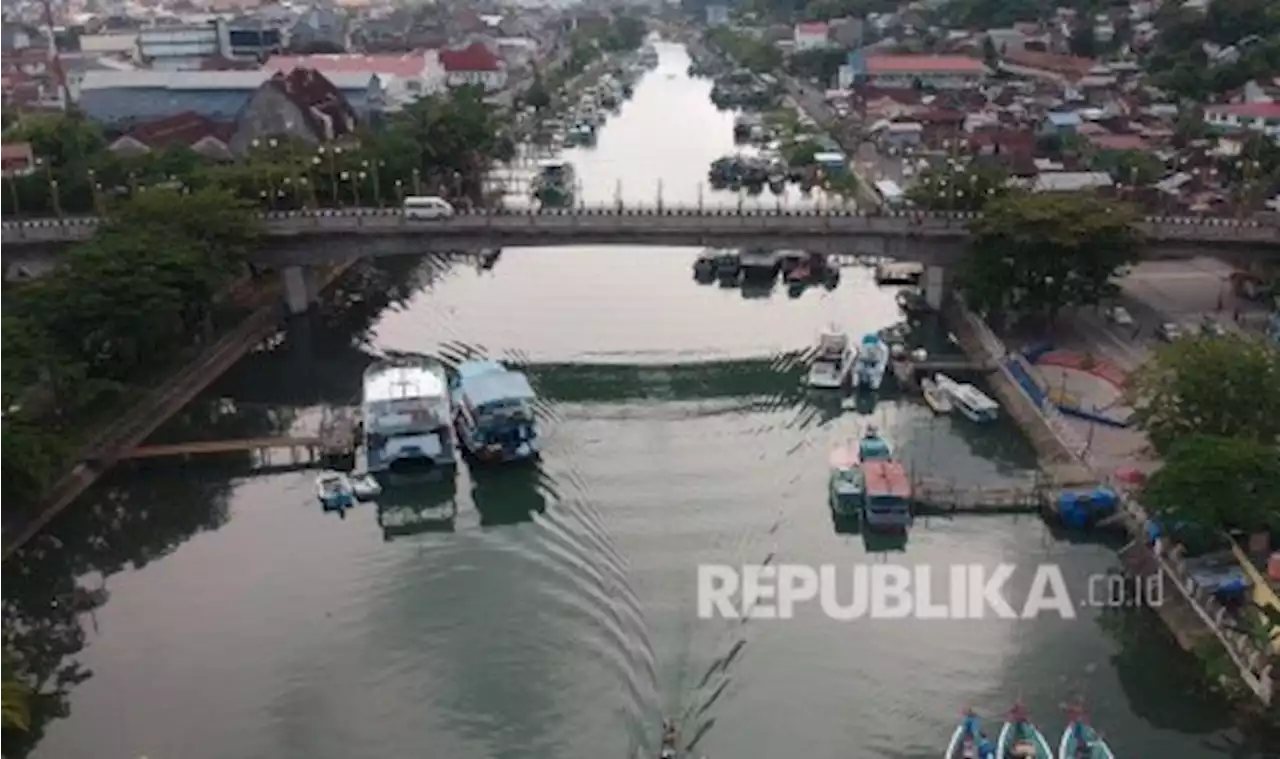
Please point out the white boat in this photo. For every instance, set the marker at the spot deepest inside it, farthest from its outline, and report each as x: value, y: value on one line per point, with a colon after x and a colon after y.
x: 833, y: 363
x: 938, y: 400
x: 968, y: 400
x: 334, y: 490
x: 873, y: 361
x: 407, y: 417
x: 365, y: 486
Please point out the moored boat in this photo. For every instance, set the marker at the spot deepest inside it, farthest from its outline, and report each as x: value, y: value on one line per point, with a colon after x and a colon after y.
x: 1081, y: 741
x: 833, y: 362
x: 888, y: 495
x: 670, y: 741
x: 365, y: 486
x: 873, y: 446
x: 873, y: 361
x: 968, y: 400
x: 494, y: 412
x: 845, y: 484
x: 406, y: 414
x: 968, y: 741
x: 555, y: 183
x: 1020, y: 739
x: 705, y: 266
x: 334, y: 490
x: 935, y: 397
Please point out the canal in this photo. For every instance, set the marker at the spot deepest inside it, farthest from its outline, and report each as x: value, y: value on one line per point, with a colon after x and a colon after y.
x: 221, y: 614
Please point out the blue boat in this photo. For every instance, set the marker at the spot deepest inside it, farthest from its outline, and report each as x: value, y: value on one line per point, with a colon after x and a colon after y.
x: 872, y: 363
x: 1081, y: 741
x: 1020, y: 738
x: 968, y: 741
x: 873, y: 446
x: 493, y: 412
x: 845, y: 492
x: 334, y: 491
x: 406, y: 413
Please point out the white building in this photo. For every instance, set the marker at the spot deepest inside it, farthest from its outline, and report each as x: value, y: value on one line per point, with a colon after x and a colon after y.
x: 1254, y: 117
x: 407, y: 76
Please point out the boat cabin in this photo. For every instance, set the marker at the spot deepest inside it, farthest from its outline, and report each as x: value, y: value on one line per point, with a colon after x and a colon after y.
x: 973, y: 403
x: 888, y: 494
x: 847, y: 491
x: 555, y: 170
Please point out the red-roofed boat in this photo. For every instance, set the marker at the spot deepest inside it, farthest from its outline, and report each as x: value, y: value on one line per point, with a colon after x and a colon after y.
x: 888, y: 495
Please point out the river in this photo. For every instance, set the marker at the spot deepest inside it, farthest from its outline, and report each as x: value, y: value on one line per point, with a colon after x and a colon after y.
x: 558, y: 618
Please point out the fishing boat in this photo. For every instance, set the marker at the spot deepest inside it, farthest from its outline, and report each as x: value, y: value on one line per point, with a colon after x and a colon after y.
x: 334, y: 490
x: 365, y: 486
x: 873, y: 446
x: 934, y: 396
x: 1020, y: 739
x: 968, y: 741
x: 407, y: 413
x: 705, y: 266
x: 670, y: 741
x: 846, y: 492
x: 873, y: 361
x: 833, y: 362
x: 887, y: 504
x: 968, y: 400
x: 494, y: 413
x: 1081, y: 741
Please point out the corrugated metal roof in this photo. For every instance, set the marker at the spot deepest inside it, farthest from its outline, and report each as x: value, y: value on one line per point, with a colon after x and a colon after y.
x: 202, y: 80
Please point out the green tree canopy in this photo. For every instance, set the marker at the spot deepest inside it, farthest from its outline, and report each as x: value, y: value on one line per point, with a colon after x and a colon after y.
x: 1223, y: 387
x: 1034, y: 254
x: 955, y: 187
x: 1129, y: 167
x: 1210, y: 484
x: 747, y: 51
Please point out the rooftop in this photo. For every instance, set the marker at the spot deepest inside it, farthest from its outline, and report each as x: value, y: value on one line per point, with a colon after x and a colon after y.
x: 407, y: 66
x: 924, y: 64
x: 474, y: 57
x: 183, y: 129
x: 1248, y: 110
x: 200, y: 80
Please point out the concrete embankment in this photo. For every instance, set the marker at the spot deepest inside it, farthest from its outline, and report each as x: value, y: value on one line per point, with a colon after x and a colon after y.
x: 103, y: 451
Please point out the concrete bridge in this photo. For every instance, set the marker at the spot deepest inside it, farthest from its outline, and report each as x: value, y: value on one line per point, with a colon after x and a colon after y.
x: 299, y: 241
x: 331, y: 235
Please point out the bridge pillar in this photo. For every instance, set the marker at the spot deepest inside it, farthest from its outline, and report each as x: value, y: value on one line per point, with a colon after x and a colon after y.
x: 935, y: 286
x: 300, y: 289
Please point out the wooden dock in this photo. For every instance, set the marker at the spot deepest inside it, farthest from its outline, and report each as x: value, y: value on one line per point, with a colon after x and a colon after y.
x: 336, y: 439
x: 1037, y: 495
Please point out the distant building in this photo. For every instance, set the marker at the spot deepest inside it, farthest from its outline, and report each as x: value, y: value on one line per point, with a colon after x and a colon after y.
x: 1254, y: 117
x: 319, y: 27
x: 302, y: 104
x: 811, y: 35
x: 717, y: 15
x: 943, y: 72
x: 408, y: 76
x: 188, y: 130
x: 17, y: 159
x: 475, y: 64
x: 184, y: 48
x: 125, y: 98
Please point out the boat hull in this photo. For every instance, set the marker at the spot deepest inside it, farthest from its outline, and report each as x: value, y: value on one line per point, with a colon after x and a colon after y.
x: 1015, y: 732
x: 1069, y: 746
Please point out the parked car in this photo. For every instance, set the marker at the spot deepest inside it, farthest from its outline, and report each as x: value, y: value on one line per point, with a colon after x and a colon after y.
x: 1119, y: 316
x: 1169, y: 332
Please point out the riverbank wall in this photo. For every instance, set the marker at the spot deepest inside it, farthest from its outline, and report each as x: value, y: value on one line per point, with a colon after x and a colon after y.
x: 98, y: 455
x: 1190, y: 611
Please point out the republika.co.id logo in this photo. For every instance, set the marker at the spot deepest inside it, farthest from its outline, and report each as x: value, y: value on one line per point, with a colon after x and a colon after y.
x: 889, y: 591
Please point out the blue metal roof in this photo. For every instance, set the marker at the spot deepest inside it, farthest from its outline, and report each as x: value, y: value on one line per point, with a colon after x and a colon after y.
x: 1064, y: 118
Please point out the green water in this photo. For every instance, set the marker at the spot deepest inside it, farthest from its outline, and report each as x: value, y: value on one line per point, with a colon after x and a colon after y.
x: 557, y: 616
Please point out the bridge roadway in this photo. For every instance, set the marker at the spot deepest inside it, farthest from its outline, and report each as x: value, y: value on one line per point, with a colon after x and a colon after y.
x: 327, y: 235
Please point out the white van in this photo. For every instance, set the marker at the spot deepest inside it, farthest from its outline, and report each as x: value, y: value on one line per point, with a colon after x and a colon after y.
x: 427, y: 208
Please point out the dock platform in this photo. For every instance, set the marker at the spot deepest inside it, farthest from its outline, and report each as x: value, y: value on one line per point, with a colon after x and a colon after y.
x: 337, y: 439
x: 1039, y: 495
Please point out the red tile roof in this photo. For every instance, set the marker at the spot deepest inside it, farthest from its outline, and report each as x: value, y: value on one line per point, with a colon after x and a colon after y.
x: 1248, y: 110
x: 1118, y: 142
x: 923, y: 64
x: 1066, y: 65
x: 406, y: 66
x: 16, y: 151
x: 474, y: 57
x: 183, y: 129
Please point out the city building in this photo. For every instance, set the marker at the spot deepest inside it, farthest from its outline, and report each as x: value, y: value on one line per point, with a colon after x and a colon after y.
x: 474, y: 64
x: 943, y: 72
x: 1254, y: 117
x: 302, y: 104
x: 187, y: 130
x: 811, y: 35
x: 185, y: 48
x: 407, y: 76
x: 125, y: 98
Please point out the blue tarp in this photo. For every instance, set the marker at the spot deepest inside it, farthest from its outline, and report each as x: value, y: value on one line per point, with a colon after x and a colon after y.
x: 1028, y: 383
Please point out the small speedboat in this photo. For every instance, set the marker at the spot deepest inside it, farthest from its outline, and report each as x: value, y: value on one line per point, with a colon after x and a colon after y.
x: 1020, y: 739
x: 968, y: 741
x: 937, y: 399
x: 334, y: 490
x: 365, y: 486
x: 670, y: 741
x: 1081, y: 741
x: 832, y: 363
x: 873, y: 446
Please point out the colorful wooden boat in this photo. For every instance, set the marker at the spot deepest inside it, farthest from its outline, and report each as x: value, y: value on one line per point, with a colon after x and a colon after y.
x: 968, y: 741
x: 1020, y: 739
x: 1081, y: 741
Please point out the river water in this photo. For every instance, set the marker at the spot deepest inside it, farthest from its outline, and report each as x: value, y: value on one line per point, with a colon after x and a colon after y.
x: 558, y: 618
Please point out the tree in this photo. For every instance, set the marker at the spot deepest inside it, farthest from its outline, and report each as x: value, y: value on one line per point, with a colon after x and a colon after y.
x: 1034, y: 254
x: 1223, y: 387
x: 989, y: 54
x: 952, y: 187
x: 16, y: 702
x: 1129, y: 167
x: 1210, y: 484
x: 537, y: 96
